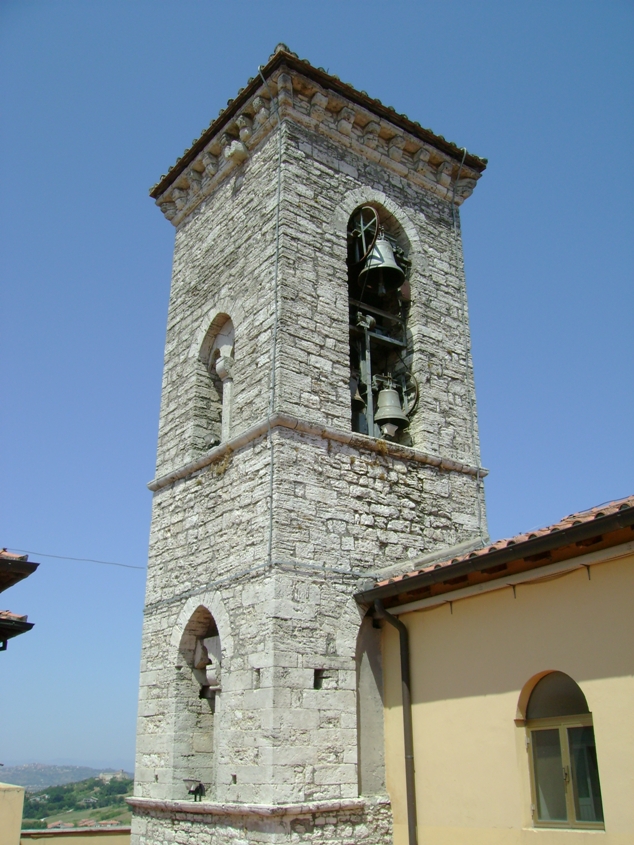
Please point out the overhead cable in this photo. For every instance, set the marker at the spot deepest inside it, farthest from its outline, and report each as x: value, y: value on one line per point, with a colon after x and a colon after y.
x: 81, y: 559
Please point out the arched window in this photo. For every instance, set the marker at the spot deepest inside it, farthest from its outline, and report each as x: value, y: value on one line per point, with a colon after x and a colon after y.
x: 197, y: 685
x: 213, y: 396
x: 564, y: 769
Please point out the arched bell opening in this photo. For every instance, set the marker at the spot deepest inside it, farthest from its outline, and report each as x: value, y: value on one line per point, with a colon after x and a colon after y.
x: 370, y: 731
x: 197, y: 685
x: 214, y: 385
x: 383, y: 391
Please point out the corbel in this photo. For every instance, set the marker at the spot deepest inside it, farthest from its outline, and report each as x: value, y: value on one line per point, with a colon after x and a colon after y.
x: 421, y: 159
x: 284, y: 91
x: 245, y: 127
x: 465, y: 187
x: 395, y: 147
x: 179, y: 196
x: 318, y: 105
x: 443, y: 173
x: 232, y: 149
x: 345, y: 120
x: 261, y: 111
x: 195, y: 177
x: 168, y: 208
x: 236, y: 151
x: 371, y: 135
x: 210, y: 163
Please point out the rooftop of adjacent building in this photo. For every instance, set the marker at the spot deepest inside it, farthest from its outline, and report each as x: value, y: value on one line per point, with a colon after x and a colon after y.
x: 592, y: 530
x: 13, y: 569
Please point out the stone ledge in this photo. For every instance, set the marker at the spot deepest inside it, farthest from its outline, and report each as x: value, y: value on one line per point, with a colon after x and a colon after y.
x: 348, y: 438
x: 212, y: 808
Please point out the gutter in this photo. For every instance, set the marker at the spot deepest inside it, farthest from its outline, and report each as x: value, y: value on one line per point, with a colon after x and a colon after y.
x: 507, y: 554
x: 408, y: 734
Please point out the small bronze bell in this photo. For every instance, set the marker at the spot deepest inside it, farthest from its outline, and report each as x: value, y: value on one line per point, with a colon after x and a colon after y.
x: 381, y: 267
x: 389, y: 415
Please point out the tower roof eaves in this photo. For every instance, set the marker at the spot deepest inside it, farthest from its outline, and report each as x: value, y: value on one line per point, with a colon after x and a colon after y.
x: 283, y: 57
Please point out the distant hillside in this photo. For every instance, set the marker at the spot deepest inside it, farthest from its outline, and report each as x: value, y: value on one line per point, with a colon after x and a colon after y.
x: 85, y: 803
x: 34, y: 776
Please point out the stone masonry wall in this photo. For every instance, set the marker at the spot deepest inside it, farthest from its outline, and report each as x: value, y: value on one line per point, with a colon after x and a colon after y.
x: 335, y: 511
x: 323, y: 184
x: 368, y: 826
x: 364, y: 511
x: 223, y: 263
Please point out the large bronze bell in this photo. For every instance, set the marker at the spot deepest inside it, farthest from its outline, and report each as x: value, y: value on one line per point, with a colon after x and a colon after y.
x: 380, y: 266
x: 389, y: 415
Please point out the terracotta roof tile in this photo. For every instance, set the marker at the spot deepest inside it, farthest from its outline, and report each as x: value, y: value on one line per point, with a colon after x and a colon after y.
x: 6, y: 614
x: 10, y: 556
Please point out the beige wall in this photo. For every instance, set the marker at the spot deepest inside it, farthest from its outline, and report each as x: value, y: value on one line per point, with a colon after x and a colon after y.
x: 76, y: 837
x: 11, y: 803
x: 468, y: 669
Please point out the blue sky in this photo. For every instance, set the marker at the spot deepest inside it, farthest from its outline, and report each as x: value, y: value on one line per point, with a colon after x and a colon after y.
x: 98, y: 99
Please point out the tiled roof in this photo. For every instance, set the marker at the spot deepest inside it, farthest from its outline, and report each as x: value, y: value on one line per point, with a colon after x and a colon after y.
x: 11, y: 556
x: 579, y: 518
x: 13, y: 617
x: 14, y: 568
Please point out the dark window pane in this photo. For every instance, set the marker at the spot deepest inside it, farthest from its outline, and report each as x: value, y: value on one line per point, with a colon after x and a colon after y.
x: 556, y: 695
x: 585, y: 775
x: 549, y: 779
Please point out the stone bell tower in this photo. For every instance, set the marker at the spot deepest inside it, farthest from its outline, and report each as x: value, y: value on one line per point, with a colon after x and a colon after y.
x: 317, y: 428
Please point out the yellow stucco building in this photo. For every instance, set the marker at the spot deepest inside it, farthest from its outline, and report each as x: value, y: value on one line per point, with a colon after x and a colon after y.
x: 521, y: 658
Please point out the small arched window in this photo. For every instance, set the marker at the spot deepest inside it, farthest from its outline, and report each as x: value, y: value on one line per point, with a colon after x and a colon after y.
x: 564, y: 768
x: 213, y: 393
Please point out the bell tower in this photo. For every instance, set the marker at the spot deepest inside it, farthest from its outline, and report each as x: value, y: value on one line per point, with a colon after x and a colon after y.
x: 317, y: 429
